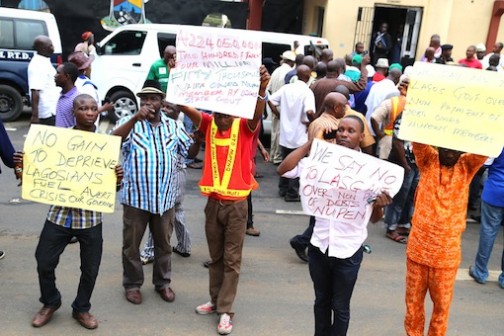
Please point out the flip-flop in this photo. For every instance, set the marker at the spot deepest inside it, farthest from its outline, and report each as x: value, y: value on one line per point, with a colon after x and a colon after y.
x: 396, y: 237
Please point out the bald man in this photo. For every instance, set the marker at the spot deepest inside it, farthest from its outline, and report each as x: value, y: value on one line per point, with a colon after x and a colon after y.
x: 327, y: 84
x: 160, y: 69
x: 429, y: 55
x: 326, y: 56
x: 44, y: 93
x: 297, y: 107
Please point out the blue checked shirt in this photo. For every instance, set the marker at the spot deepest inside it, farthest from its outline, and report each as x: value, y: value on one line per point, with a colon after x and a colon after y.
x: 150, y: 164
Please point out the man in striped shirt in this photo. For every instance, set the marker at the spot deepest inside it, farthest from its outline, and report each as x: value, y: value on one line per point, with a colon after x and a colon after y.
x: 152, y: 143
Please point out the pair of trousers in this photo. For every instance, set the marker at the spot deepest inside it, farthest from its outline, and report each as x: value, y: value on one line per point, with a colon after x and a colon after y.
x: 275, y: 152
x: 401, y: 209
x: 53, y: 240
x: 288, y: 187
x: 50, y: 121
x: 135, y: 222
x: 250, y: 214
x: 184, y: 243
x: 439, y: 282
x: 333, y: 281
x: 492, y: 218
x: 225, y: 225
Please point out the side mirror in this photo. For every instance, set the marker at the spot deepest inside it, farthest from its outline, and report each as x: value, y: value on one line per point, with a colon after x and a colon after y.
x: 99, y: 49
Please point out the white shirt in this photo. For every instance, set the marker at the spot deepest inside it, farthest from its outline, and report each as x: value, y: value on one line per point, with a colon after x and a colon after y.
x: 378, y: 93
x: 278, y: 77
x: 87, y: 88
x: 342, y: 239
x: 295, y: 99
x: 84, y: 86
x: 41, y: 78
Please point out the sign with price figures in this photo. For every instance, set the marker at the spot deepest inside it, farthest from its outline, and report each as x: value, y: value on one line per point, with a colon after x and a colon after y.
x: 70, y: 168
x: 217, y: 69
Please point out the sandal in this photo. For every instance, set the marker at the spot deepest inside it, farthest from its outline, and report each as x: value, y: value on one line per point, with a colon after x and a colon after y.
x: 395, y: 236
x: 403, y: 231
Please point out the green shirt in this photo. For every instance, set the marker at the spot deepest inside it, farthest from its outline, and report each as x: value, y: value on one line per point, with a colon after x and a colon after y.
x: 160, y: 72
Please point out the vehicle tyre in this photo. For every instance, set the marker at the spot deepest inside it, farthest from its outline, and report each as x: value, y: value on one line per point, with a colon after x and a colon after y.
x: 125, y: 105
x: 11, y: 103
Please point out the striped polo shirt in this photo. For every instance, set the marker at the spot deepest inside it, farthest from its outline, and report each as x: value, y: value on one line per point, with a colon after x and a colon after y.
x: 150, y: 163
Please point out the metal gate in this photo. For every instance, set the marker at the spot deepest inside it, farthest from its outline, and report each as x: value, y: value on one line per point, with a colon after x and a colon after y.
x: 364, y: 26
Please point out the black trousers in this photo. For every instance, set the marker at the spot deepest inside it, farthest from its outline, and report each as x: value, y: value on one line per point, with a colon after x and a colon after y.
x: 53, y: 240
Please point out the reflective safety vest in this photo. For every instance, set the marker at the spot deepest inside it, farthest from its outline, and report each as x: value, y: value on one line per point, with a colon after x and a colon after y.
x: 397, y: 108
x: 231, y: 184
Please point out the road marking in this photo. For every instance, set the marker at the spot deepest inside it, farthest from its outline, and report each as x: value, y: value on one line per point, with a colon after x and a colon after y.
x: 11, y: 129
x: 463, y: 275
x: 290, y: 212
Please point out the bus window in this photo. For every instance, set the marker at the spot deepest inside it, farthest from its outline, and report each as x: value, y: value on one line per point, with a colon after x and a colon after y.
x: 272, y: 51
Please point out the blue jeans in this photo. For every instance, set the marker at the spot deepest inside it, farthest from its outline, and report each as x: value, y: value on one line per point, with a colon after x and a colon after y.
x: 401, y: 209
x: 333, y: 281
x: 492, y: 217
x: 53, y: 240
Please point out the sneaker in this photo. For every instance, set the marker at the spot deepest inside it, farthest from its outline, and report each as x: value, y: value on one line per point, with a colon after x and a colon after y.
x: 252, y: 231
x: 146, y: 260
x: 225, y: 325
x: 206, y: 308
x: 2, y: 254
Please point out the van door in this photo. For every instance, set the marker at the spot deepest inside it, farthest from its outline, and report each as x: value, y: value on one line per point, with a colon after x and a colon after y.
x: 121, y: 67
x: 122, y: 60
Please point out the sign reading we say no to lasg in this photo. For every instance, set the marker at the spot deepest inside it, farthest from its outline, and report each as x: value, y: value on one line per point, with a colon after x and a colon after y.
x: 217, y: 69
x: 70, y: 168
x: 338, y: 183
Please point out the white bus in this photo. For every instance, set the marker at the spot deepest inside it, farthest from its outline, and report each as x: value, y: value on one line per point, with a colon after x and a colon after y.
x: 124, y: 58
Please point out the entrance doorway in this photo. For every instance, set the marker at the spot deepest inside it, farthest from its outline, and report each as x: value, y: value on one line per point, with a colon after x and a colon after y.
x: 403, y: 27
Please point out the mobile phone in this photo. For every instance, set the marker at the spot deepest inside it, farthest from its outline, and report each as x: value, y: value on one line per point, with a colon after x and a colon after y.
x: 330, y: 135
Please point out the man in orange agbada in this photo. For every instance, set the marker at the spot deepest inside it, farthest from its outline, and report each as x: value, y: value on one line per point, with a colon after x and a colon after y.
x: 434, y: 245
x: 227, y: 180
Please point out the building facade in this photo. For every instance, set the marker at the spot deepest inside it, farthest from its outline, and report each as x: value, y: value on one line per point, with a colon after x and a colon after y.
x: 411, y: 23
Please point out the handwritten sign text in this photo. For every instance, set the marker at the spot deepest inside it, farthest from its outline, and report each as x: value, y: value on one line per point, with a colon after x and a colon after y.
x: 70, y: 168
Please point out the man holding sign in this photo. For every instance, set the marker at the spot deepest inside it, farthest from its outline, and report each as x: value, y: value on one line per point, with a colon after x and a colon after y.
x: 61, y: 225
x: 434, y: 244
x: 227, y: 181
x: 336, y: 251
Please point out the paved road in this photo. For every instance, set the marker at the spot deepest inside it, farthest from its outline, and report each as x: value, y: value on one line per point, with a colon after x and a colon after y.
x: 275, y: 294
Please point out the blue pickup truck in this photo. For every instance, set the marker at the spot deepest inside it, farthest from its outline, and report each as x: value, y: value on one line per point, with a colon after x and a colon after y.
x: 18, y: 30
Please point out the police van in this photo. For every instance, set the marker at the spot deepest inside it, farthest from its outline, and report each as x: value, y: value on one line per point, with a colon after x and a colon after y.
x: 18, y: 29
x: 124, y: 58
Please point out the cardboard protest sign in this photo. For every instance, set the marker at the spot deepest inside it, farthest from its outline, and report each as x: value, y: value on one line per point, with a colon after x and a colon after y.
x: 338, y: 183
x: 217, y: 69
x: 70, y: 168
x: 455, y: 107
